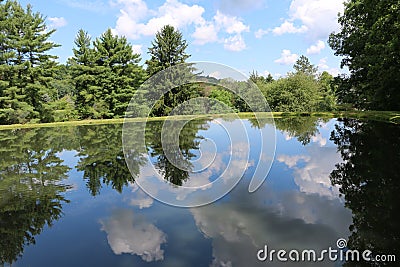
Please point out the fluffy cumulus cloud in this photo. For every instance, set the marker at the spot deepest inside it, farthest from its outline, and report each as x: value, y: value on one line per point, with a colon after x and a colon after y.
x: 205, y: 33
x: 208, y: 31
x: 287, y: 58
x: 316, y: 18
x: 57, y: 22
x: 241, y: 226
x: 319, y: 16
x: 129, y: 234
x: 234, y: 43
x: 137, y: 20
x: 288, y: 27
x: 172, y: 12
x: 317, y: 48
x: 231, y: 24
x: 292, y: 161
x: 313, y: 177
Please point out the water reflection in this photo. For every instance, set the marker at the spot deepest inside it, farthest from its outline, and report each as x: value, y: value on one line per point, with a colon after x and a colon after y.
x: 131, y: 234
x: 297, y: 206
x: 189, y: 142
x: 311, y: 170
x: 369, y: 179
x: 282, y: 220
x: 302, y: 128
x: 31, y: 195
x: 101, y: 158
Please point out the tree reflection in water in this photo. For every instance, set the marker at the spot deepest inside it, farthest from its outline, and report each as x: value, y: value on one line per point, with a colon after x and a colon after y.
x: 369, y: 179
x: 31, y: 193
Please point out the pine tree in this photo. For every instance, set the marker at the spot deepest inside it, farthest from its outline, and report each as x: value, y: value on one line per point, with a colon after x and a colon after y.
x: 168, y: 49
x: 83, y: 74
x: 120, y: 73
x: 26, y: 69
x: 303, y: 65
x: 106, y: 75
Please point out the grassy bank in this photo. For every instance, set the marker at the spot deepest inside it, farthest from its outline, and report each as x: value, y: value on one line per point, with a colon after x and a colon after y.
x: 386, y: 116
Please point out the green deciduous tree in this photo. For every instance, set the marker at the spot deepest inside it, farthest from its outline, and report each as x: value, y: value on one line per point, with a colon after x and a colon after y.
x: 296, y: 93
x: 369, y: 43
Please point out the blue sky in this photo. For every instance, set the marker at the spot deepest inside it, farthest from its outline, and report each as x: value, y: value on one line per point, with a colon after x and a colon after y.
x: 263, y: 35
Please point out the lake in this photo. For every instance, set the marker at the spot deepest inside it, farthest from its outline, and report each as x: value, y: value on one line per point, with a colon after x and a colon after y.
x: 67, y: 197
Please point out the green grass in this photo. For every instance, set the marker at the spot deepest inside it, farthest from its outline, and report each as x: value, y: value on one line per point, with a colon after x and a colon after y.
x: 386, y: 116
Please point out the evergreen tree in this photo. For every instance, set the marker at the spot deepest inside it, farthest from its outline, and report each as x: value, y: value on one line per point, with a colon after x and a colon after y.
x: 303, y: 65
x: 106, y: 75
x: 168, y: 49
x: 83, y: 74
x: 120, y: 73
x: 26, y: 68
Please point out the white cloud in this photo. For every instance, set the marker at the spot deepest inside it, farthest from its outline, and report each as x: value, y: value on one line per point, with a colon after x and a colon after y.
x: 129, y: 234
x: 319, y: 16
x: 235, y: 43
x: 260, y: 33
x: 136, y: 20
x: 317, y: 48
x: 232, y: 25
x: 171, y: 12
x: 206, y: 33
x: 139, y: 198
x: 287, y: 58
x: 137, y: 49
x: 318, y: 138
x: 240, y: 226
x: 292, y: 161
x: 313, y: 177
x: 288, y: 27
x: 57, y: 22
x: 322, y: 65
x: 334, y: 71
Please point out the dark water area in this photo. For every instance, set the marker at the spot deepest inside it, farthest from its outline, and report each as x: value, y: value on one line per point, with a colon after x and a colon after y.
x: 67, y: 197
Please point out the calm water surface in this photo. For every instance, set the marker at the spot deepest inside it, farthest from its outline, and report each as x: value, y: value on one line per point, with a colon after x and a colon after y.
x: 68, y: 199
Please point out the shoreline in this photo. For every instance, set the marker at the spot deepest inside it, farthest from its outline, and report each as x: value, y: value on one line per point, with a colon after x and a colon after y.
x: 386, y: 116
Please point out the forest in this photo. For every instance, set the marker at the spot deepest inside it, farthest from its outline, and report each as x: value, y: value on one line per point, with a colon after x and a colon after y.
x: 103, y: 74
